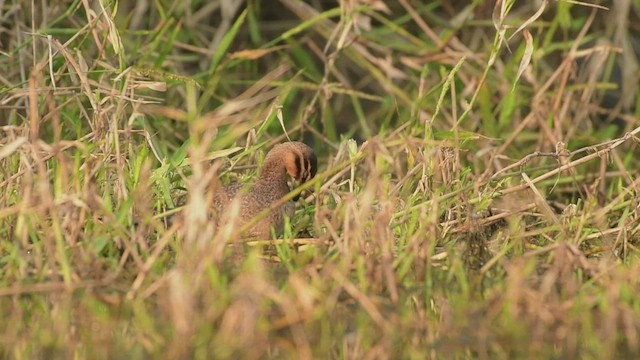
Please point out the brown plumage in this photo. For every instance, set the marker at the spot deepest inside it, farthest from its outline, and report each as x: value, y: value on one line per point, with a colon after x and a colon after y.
x: 293, y: 159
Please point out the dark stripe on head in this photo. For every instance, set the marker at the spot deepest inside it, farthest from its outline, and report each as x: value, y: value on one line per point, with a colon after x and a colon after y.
x: 297, y: 161
x: 302, y: 167
x: 313, y: 168
x: 310, y: 167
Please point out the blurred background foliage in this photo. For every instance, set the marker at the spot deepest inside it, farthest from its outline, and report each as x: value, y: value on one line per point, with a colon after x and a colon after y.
x: 354, y: 70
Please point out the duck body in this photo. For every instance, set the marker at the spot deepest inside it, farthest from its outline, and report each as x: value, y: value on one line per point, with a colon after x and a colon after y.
x: 290, y: 159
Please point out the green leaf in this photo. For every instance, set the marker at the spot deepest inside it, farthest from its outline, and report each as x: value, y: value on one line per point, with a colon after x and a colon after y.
x: 225, y: 43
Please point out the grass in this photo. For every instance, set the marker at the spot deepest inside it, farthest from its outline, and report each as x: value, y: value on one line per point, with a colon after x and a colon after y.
x: 476, y: 197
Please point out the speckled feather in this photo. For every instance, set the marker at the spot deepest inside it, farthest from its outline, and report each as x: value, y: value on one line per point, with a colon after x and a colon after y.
x: 294, y: 159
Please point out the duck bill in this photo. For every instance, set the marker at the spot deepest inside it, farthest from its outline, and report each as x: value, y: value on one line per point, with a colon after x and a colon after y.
x: 295, y: 184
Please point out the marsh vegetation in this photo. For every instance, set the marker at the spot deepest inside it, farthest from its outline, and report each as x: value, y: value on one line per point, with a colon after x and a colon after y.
x: 476, y: 194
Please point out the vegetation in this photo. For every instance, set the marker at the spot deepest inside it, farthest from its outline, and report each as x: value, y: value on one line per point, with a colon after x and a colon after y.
x: 477, y: 194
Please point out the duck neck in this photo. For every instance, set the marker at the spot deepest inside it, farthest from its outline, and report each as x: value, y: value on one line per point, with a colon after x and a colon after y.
x: 274, y: 172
